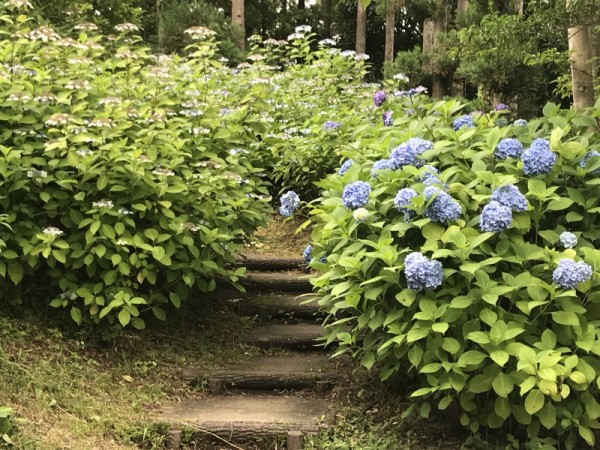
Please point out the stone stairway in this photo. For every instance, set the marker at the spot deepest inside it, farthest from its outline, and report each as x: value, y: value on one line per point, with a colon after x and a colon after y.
x: 277, y: 398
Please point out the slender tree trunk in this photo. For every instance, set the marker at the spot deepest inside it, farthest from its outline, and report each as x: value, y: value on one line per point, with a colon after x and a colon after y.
x: 301, y: 4
x: 458, y: 85
x: 390, y: 23
x: 361, y: 29
x: 431, y: 28
x: 284, y: 6
x: 161, y: 26
x: 238, y: 18
x: 519, y: 7
x: 462, y: 6
x: 580, y: 47
x: 327, y: 4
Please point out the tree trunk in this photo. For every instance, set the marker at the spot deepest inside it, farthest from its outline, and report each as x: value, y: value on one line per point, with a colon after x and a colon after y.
x: 462, y: 7
x: 390, y: 23
x: 284, y: 6
x: 580, y: 47
x: 361, y: 29
x: 238, y: 18
x: 161, y: 27
x: 519, y: 7
x: 431, y: 27
x: 327, y: 5
x: 301, y: 4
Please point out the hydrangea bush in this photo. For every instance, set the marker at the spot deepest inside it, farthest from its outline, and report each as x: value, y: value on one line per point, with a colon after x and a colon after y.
x: 473, y: 272
x: 127, y: 181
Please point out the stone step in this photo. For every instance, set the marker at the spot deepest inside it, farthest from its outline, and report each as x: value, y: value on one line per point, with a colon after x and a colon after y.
x: 284, y: 282
x: 279, y: 306
x: 268, y: 263
x: 296, y: 371
x: 246, y: 418
x: 300, y: 335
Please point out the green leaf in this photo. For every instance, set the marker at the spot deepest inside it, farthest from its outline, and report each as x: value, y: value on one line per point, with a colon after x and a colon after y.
x: 559, y: 204
x: 124, y: 317
x: 566, y: 318
x: 534, y: 401
x: 15, y: 272
x: 502, y: 407
x: 503, y: 384
x: 500, y: 357
x: 587, y: 434
x: 159, y: 313
x: 76, y: 315
x: 547, y: 416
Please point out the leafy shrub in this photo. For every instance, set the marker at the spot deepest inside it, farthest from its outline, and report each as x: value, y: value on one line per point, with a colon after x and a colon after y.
x: 122, y: 177
x: 510, y: 336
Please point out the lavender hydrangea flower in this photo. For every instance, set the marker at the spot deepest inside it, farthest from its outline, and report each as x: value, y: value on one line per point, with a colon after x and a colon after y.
x: 331, y: 125
x: 585, y: 160
x: 568, y: 239
x: 465, y: 121
x: 379, y: 98
x: 381, y: 164
x: 520, y: 123
x: 568, y: 274
x: 403, y: 200
x: 388, y: 121
x: 289, y: 202
x: 442, y: 208
x: 356, y: 195
x: 508, y: 148
x: 538, y: 159
x: 431, y: 177
x: 509, y: 195
x: 495, y: 217
x: 347, y: 164
x: 501, y: 107
x: 422, y: 273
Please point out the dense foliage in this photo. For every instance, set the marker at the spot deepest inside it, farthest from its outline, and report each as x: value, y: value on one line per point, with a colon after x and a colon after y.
x: 460, y: 251
x: 123, y: 184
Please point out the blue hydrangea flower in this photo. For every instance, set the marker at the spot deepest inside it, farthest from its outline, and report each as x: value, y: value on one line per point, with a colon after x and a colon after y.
x: 568, y: 274
x: 465, y: 121
x: 347, y: 164
x: 422, y: 273
x: 585, y: 159
x: 495, y: 217
x: 501, y: 107
x: 442, y: 208
x: 381, y: 164
x: 388, y: 121
x: 307, y: 254
x: 356, y: 195
x: 331, y: 125
x: 508, y: 148
x: 403, y: 200
x: 289, y: 202
x: 430, y: 177
x: 379, y: 98
x: 520, y: 123
x: 538, y: 159
x: 420, y: 145
x: 509, y: 195
x: 568, y: 239
x: 403, y: 155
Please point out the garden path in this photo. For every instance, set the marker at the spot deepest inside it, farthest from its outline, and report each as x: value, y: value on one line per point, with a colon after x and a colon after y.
x: 274, y: 398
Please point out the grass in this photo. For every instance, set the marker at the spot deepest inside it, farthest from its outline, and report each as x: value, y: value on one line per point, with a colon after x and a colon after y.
x: 70, y: 393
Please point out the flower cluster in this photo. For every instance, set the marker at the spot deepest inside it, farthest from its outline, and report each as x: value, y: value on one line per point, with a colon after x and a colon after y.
x: 360, y: 214
x: 501, y: 107
x: 508, y: 148
x: 568, y: 274
x: 307, y: 254
x: 538, y: 159
x: 388, y: 121
x: 586, y: 158
x: 520, y: 123
x: 331, y: 125
x: 52, y: 231
x: 465, y: 121
x: 406, y: 154
x: 568, y: 239
x: 289, y: 202
x: 510, y: 196
x: 381, y: 164
x: 379, y: 98
x: 495, y: 217
x: 347, y: 164
x: 402, y: 201
x: 422, y: 273
x: 442, y: 207
x: 410, y: 92
x: 356, y: 195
